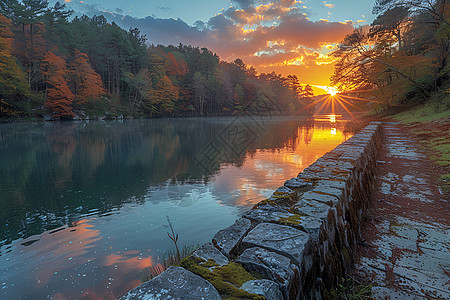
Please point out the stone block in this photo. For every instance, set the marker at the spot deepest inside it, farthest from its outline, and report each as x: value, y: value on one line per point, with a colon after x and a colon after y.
x: 283, y: 190
x: 174, y: 283
x: 270, y: 214
x: 209, y: 252
x: 263, y: 287
x: 332, y: 184
x: 323, y: 195
x: 311, y: 208
x: 283, y: 197
x: 297, y: 184
x: 281, y: 239
x: 227, y: 240
x: 272, y: 266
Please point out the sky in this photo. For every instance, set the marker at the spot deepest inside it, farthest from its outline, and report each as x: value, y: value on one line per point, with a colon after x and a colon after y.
x: 285, y: 36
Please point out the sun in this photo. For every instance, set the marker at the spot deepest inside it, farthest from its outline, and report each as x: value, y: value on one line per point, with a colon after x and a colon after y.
x: 332, y: 91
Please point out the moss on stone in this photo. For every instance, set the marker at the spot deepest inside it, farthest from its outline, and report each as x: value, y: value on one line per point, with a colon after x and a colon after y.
x: 267, y: 202
x: 294, y: 219
x: 282, y: 196
x: 209, y: 263
x: 226, y: 279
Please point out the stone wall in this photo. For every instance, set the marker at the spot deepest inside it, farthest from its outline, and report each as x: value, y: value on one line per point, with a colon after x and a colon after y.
x: 295, y: 244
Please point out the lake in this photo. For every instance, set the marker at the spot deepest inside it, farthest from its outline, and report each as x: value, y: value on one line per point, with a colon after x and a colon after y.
x: 83, y: 205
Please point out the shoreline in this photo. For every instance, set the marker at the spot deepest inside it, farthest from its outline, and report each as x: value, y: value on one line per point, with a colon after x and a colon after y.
x: 306, y: 231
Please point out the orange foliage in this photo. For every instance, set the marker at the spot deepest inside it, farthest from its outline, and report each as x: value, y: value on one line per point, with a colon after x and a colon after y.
x: 176, y: 67
x: 87, y: 83
x: 5, y: 36
x: 165, y: 94
x: 58, y: 95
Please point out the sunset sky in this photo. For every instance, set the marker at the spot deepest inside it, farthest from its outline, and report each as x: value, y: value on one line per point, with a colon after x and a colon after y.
x: 285, y: 36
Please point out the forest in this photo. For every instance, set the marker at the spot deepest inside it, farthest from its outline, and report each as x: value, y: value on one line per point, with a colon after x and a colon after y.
x: 58, y: 67
x: 402, y: 58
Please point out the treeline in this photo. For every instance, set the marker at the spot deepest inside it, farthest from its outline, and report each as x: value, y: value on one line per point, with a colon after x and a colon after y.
x: 66, y: 68
x: 402, y: 58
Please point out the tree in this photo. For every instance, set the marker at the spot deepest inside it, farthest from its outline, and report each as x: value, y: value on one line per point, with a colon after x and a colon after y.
x: 294, y: 84
x: 200, y: 90
x: 393, y: 22
x: 307, y: 91
x: 358, y: 65
x: 58, y: 95
x: 11, y: 9
x: 437, y: 8
x: 164, y: 95
x: 85, y: 81
x: 13, y: 86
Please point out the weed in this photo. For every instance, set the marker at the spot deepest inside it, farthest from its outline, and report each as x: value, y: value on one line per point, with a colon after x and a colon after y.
x: 172, y: 257
x: 350, y: 289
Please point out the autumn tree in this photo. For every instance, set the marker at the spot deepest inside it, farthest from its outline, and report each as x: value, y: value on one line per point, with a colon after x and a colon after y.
x: 85, y: 81
x: 164, y: 96
x: 360, y: 63
x: 58, y: 95
x: 13, y: 86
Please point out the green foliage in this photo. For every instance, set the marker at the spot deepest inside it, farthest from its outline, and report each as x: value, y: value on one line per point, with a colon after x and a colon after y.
x: 402, y: 58
x: 101, y: 61
x: 348, y: 289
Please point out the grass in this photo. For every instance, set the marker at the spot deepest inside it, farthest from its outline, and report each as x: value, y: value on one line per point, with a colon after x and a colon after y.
x: 350, y: 289
x: 422, y: 113
x: 172, y: 257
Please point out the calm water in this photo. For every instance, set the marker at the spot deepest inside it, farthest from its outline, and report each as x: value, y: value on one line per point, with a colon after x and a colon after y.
x: 83, y: 205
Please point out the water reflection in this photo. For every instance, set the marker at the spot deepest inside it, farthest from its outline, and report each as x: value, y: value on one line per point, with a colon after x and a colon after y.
x: 83, y: 204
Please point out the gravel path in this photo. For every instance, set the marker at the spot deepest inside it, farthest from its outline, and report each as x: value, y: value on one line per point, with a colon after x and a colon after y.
x: 406, y: 253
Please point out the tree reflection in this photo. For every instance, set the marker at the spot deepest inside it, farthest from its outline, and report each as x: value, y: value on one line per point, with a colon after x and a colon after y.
x: 53, y: 173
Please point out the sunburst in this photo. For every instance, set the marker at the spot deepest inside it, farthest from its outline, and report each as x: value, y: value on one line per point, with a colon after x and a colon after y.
x: 334, y: 100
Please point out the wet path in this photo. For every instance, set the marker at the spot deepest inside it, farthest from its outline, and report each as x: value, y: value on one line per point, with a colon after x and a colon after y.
x: 406, y: 253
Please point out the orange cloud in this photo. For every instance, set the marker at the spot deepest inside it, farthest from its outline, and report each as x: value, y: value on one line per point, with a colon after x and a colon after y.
x: 269, y: 35
x: 329, y: 5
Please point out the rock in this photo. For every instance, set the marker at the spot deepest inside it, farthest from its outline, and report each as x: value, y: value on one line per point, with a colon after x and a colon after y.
x: 283, y: 190
x: 307, y: 224
x: 270, y: 214
x: 329, y: 196
x: 264, y: 287
x: 48, y: 118
x: 281, y: 239
x: 227, y: 240
x: 208, y: 252
x: 297, y: 184
x: 283, y: 197
x: 271, y: 266
x: 174, y: 283
x: 266, y: 213
x: 332, y: 184
x: 311, y: 208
